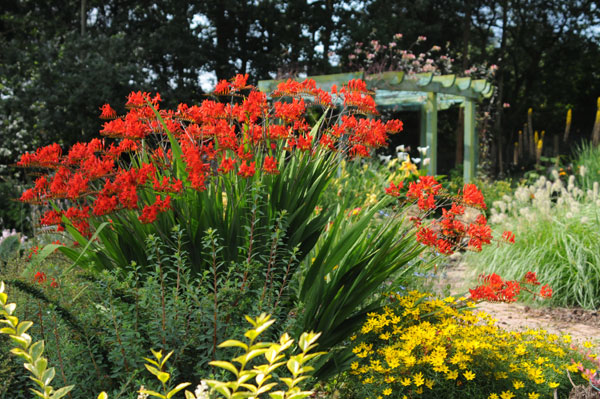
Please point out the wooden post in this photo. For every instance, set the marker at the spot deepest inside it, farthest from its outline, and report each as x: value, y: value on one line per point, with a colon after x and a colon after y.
x: 470, y: 157
x: 423, y: 130
x: 431, y: 131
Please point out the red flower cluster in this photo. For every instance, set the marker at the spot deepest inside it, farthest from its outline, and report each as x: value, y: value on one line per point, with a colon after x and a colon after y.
x: 40, y: 278
x: 394, y: 190
x: 451, y: 231
x: 150, y: 212
x: 495, y: 289
x: 244, y: 136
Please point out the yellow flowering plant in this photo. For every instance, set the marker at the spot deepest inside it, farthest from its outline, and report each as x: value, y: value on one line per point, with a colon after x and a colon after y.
x: 420, y: 346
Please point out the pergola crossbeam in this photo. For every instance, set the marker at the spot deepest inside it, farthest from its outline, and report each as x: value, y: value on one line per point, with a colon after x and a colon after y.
x: 423, y: 92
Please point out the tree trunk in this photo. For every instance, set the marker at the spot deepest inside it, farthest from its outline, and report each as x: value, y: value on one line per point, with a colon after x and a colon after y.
x: 83, y: 17
x: 460, y: 128
x: 500, y: 99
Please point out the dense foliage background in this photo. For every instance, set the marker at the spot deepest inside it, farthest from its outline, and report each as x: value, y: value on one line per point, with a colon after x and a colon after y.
x: 59, y: 61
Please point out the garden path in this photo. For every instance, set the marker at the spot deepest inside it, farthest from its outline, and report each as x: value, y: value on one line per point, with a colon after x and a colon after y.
x: 582, y: 325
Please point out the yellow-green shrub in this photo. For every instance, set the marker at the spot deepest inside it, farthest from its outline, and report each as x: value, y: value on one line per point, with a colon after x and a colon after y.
x: 422, y: 346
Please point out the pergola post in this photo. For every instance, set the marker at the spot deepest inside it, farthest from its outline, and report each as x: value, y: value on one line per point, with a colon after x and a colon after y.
x: 431, y: 130
x: 423, y: 130
x: 471, y: 147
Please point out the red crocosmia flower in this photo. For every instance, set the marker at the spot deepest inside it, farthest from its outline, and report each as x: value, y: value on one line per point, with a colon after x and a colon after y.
x: 45, y: 157
x: 137, y: 99
x: 107, y: 112
x: 51, y: 218
x: 303, y: 143
x: 240, y: 82
x: 150, y: 212
x: 359, y: 150
x: 457, y: 209
x: 114, y: 128
x: 394, y: 126
x: 40, y: 277
x: 426, y: 236
x: 481, y: 220
x: 394, y: 190
x: 289, y: 111
x: 270, y: 166
x: 363, y: 103
x: 472, y: 196
x: 77, y: 185
x: 531, y: 278
x: 105, y: 205
x: 424, y: 191
x: 508, y: 236
x: 327, y: 142
x: 444, y: 247
x: 546, y: 291
x: 222, y: 88
x: 278, y: 132
x: 246, y: 170
x: 167, y: 185
x: 226, y: 165
x: 54, y: 283
x: 356, y: 85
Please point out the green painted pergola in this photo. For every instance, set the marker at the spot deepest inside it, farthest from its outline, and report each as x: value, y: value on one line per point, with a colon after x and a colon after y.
x: 425, y: 93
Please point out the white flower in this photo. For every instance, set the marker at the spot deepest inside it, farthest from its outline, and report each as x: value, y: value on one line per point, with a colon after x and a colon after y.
x: 201, y: 391
x: 385, y: 158
x: 400, y: 148
x: 416, y: 160
x: 142, y: 395
x: 425, y: 162
x: 423, y: 151
x: 403, y: 156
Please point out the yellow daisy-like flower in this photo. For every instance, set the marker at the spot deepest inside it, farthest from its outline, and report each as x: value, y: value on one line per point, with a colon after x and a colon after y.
x: 469, y: 375
x: 573, y: 367
x: 507, y: 395
x: 406, y: 381
x: 588, y: 344
x: 418, y: 379
x: 429, y: 383
x: 387, y: 391
x: 419, y: 390
x: 452, y: 375
x: 354, y: 365
x: 566, y: 339
x: 533, y: 395
x: 518, y: 384
x: 493, y: 396
x: 553, y: 385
